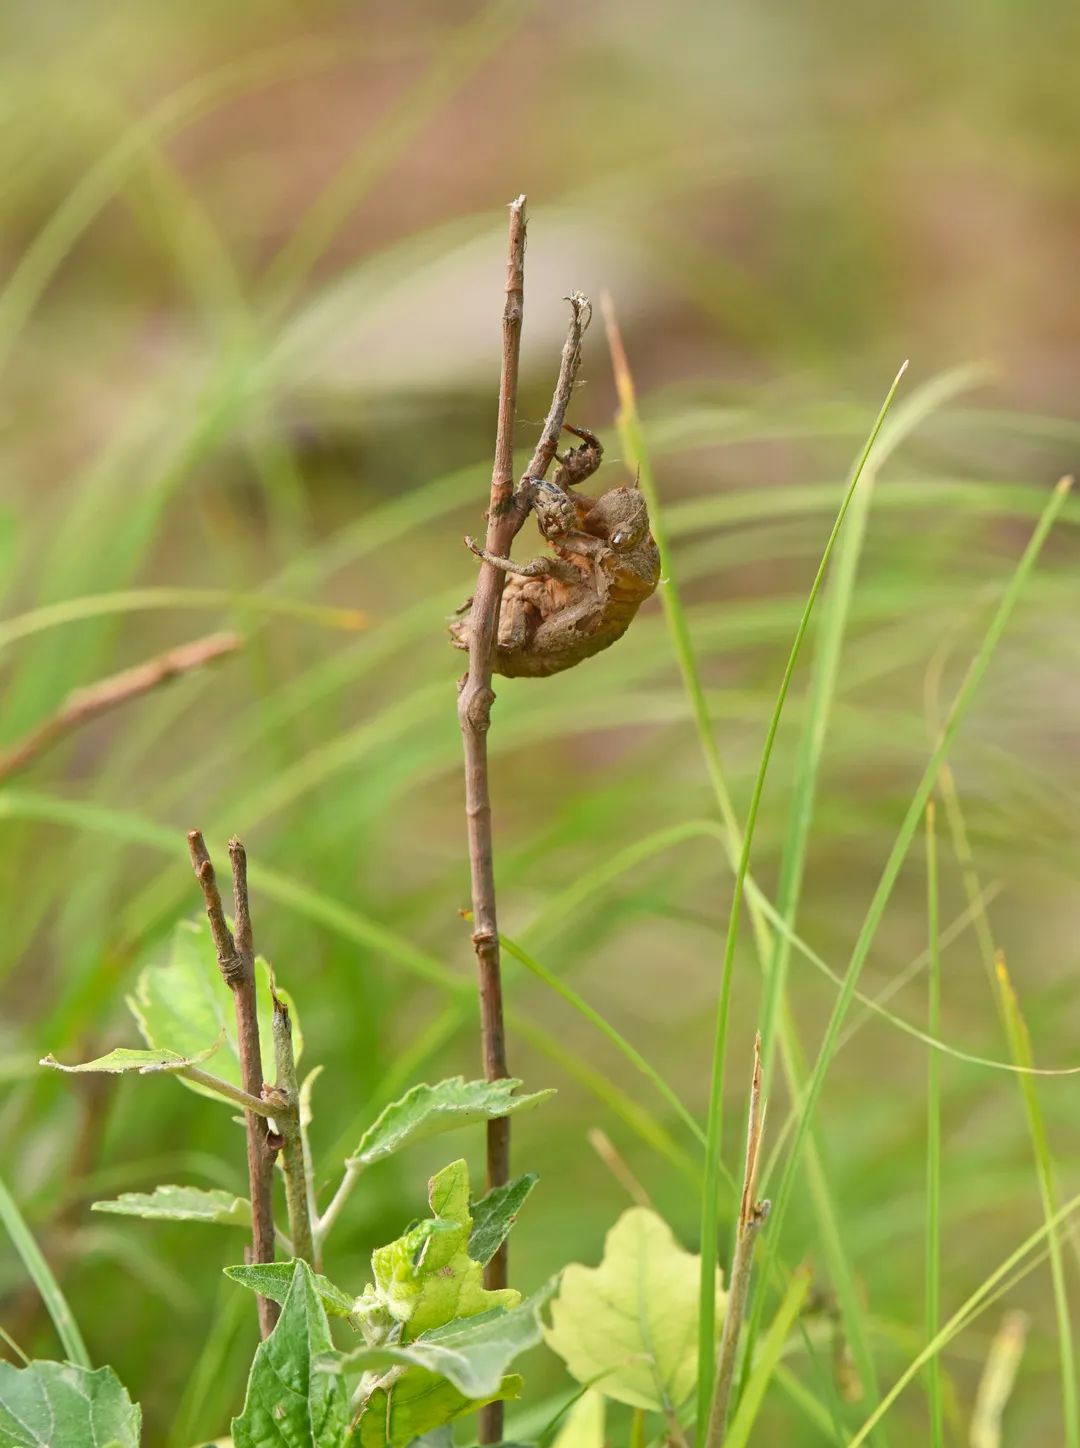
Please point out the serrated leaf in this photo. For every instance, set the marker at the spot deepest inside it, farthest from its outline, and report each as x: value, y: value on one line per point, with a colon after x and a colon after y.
x: 495, y: 1214
x: 583, y: 1426
x: 629, y: 1326
x: 126, y: 1058
x: 181, y: 1204
x: 184, y: 1005
x: 427, y: 1278
x: 274, y: 1280
x: 429, y: 1110
x: 416, y: 1403
x: 472, y: 1353
x: 289, y: 1404
x: 58, y: 1405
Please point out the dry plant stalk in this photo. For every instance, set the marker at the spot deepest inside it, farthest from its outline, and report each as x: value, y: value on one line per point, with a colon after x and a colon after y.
x: 236, y: 960
x: 997, y: 1380
x: 752, y: 1217
x: 507, y: 510
x: 84, y: 704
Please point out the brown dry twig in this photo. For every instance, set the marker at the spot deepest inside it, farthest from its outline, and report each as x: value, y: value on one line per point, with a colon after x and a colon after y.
x: 236, y: 960
x: 85, y: 704
x: 752, y: 1217
x: 507, y: 511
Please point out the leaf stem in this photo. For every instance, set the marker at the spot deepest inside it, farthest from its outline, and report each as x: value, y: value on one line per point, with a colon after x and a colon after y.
x: 333, y: 1210
x: 260, y: 1105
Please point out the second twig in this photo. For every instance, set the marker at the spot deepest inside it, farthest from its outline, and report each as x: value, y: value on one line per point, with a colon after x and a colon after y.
x: 752, y: 1217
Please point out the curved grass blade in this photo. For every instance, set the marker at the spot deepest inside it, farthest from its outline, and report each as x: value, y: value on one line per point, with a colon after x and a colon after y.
x: 891, y: 870
x: 709, y: 1215
x: 962, y: 1316
x: 40, y: 1273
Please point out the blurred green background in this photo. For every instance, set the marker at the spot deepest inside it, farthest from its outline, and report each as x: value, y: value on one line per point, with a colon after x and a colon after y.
x: 252, y: 259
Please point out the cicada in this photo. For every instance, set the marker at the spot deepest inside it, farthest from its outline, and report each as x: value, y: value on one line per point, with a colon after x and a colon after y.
x: 557, y: 610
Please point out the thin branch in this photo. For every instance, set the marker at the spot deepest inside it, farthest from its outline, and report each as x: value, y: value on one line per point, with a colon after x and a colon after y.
x: 296, y: 1167
x: 580, y: 317
x: 82, y: 705
x: 507, y: 511
x: 752, y: 1217
x: 474, y: 714
x: 236, y: 959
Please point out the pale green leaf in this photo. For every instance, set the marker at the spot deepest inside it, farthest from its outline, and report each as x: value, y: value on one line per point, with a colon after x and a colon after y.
x: 289, y: 1404
x: 185, y: 1005
x: 472, y: 1353
x: 495, y: 1214
x: 126, y: 1058
x: 629, y: 1326
x: 429, y: 1110
x: 427, y: 1278
x: 415, y: 1404
x: 274, y: 1280
x: 58, y: 1405
x: 181, y: 1204
x: 583, y: 1426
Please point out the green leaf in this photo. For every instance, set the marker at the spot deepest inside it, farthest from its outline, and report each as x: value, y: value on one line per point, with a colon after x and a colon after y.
x: 427, y: 1278
x: 183, y: 1006
x: 495, y: 1214
x: 629, y: 1326
x: 472, y: 1353
x: 58, y: 1405
x: 583, y: 1426
x: 416, y: 1403
x: 274, y: 1280
x: 289, y: 1404
x: 429, y: 1110
x: 125, y: 1058
x: 181, y: 1204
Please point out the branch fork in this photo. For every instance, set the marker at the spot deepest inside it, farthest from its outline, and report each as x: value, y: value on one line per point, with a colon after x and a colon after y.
x: 271, y: 1112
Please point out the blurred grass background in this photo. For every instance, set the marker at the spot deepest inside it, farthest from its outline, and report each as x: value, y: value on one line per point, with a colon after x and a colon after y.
x: 249, y: 312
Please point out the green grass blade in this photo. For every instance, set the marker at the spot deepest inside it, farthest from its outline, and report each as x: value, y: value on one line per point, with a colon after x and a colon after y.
x: 607, y: 1030
x: 896, y: 857
x: 835, y: 611
x: 710, y: 1200
x: 933, y: 1139
x: 1020, y: 1044
x: 40, y: 1273
x: 135, y: 600
x: 351, y: 925
x: 962, y: 1316
x: 632, y: 437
